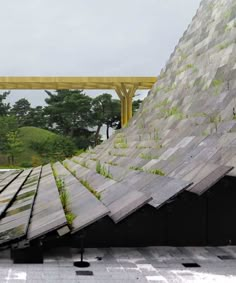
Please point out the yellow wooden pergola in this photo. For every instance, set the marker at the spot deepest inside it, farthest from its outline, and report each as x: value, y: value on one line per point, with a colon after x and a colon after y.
x: 125, y: 87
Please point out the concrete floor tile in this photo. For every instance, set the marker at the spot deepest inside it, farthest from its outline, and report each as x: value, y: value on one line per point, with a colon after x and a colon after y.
x: 133, y: 265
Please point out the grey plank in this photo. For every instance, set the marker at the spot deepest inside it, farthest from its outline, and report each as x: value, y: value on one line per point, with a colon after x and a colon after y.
x: 8, y: 180
x: 5, y: 175
x: 82, y: 203
x: 18, y: 214
x: 11, y: 191
x: 232, y: 162
x: 126, y: 205
x: 166, y: 190
x: 116, y: 195
x: 48, y: 214
x: 48, y: 224
x: 212, y: 178
x: 96, y: 180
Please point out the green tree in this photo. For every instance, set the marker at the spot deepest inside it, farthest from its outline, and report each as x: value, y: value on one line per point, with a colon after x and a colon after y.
x: 69, y: 110
x: 105, y: 111
x: 21, y: 110
x: 4, y: 107
x: 8, y: 124
x: 113, y: 120
x: 37, y: 118
x: 136, y: 104
x: 14, y: 146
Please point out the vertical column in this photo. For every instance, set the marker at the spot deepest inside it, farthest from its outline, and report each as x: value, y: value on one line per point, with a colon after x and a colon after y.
x: 126, y: 97
x: 123, y: 106
x: 122, y: 111
x: 130, y: 96
x: 125, y: 116
x: 129, y: 107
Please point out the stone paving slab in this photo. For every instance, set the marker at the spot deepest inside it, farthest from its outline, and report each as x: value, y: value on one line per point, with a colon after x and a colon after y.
x: 125, y: 265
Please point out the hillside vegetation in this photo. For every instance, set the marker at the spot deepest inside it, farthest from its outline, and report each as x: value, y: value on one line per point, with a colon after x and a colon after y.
x: 28, y: 135
x: 29, y: 157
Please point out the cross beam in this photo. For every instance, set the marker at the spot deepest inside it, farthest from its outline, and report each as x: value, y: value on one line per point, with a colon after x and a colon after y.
x: 125, y: 87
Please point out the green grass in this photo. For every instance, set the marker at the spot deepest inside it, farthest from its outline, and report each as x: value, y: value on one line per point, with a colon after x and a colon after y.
x: 60, y: 184
x: 173, y: 111
x: 64, y: 198
x: 10, y: 167
x: 136, y: 168
x: 157, y: 172
x: 86, y: 184
x: 152, y: 171
x: 185, y: 68
x: 102, y: 170
x: 217, y: 83
x: 143, y: 146
x: 28, y: 157
x: 119, y: 154
x: 83, y: 163
x: 70, y: 218
x: 111, y: 163
x: 146, y: 156
x: 120, y: 142
x: 163, y: 103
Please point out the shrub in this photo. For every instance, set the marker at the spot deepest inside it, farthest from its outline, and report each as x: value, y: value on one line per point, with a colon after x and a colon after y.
x: 36, y: 161
x: 54, y: 148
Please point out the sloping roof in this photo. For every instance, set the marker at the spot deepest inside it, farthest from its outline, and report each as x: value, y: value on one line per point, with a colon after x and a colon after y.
x: 31, y: 206
x: 182, y: 138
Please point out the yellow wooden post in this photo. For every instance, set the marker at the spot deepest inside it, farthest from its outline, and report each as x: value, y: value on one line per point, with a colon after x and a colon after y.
x: 130, y: 96
x: 128, y: 92
x: 125, y: 116
x: 122, y: 111
x: 123, y: 106
x: 130, y: 107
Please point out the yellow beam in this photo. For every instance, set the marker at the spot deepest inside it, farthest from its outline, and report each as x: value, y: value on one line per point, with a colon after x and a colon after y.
x: 124, y: 86
x: 75, y: 82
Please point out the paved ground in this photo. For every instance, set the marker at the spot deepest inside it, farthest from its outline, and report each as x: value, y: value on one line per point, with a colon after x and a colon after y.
x: 127, y: 265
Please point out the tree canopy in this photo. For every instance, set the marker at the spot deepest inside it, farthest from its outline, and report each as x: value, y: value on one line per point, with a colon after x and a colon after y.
x: 4, y: 107
x: 106, y: 111
x: 21, y: 110
x: 73, y: 115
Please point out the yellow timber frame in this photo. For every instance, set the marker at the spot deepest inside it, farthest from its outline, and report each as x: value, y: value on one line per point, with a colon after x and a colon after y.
x: 125, y: 87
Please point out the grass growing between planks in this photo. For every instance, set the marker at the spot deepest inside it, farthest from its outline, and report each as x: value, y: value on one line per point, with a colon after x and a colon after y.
x: 64, y: 197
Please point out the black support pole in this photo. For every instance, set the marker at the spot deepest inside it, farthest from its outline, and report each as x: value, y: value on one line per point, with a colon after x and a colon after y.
x: 81, y: 263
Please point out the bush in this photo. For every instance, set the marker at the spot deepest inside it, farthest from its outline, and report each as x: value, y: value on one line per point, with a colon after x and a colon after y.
x: 25, y: 164
x: 54, y: 148
x: 36, y: 161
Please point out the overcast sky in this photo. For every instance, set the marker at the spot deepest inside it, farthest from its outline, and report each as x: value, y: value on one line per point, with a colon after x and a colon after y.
x: 89, y: 37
